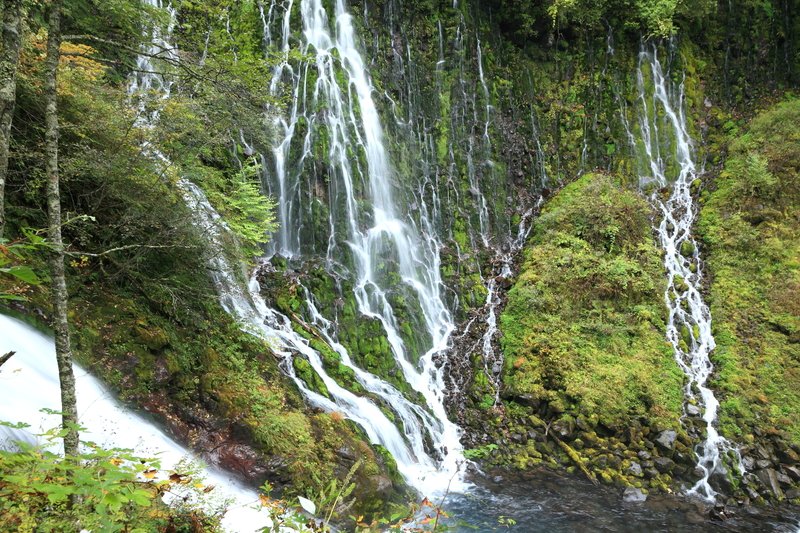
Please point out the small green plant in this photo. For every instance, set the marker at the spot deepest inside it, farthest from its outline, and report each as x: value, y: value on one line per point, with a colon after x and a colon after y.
x: 480, y: 453
x: 13, y: 256
x: 100, y: 490
x: 506, y: 521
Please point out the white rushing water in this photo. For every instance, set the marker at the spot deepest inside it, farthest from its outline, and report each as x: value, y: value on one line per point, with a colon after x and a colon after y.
x: 247, y: 305
x: 665, y: 158
x: 368, y: 230
x: 29, y: 382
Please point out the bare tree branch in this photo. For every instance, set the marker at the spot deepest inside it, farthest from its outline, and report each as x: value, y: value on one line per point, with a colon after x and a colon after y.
x: 4, y: 358
x: 130, y: 247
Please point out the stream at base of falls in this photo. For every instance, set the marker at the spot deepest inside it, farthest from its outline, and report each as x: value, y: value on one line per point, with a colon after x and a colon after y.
x: 548, y: 502
x: 542, y: 501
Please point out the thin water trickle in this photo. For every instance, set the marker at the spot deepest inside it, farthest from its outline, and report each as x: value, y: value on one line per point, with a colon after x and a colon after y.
x: 665, y: 143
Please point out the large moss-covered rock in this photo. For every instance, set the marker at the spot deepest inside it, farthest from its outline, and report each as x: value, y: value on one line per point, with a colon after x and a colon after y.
x: 584, y: 328
x: 589, y: 380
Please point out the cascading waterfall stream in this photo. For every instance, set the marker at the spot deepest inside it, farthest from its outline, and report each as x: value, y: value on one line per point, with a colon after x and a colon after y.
x: 257, y: 318
x: 360, y: 174
x: 249, y: 308
x: 664, y: 137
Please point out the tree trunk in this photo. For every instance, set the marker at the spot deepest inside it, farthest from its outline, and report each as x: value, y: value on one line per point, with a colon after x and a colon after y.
x: 9, y: 57
x: 59, y: 290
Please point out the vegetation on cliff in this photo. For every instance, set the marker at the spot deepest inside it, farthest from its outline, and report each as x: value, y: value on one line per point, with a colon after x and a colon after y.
x: 144, y: 314
x: 584, y: 325
x: 751, y: 231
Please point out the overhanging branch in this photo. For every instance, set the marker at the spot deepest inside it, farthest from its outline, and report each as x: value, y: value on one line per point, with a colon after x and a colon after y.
x: 4, y: 358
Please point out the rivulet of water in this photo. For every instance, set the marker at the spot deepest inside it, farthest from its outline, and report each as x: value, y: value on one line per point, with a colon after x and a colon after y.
x: 665, y: 158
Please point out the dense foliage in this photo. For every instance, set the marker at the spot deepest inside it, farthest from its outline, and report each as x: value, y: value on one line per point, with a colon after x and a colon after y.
x: 103, y: 490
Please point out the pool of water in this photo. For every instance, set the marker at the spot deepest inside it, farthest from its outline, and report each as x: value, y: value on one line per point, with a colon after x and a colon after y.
x: 547, y: 502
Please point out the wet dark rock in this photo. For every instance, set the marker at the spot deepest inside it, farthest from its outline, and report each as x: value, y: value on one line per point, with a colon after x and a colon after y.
x: 247, y: 462
x: 664, y: 465
x: 788, y: 455
x: 769, y: 478
x: 720, y: 483
x: 634, y: 495
x: 748, y: 463
x: 792, y: 471
x: 666, y: 440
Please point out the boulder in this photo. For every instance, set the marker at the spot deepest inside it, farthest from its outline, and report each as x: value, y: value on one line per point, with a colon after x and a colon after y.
x: 664, y: 465
x: 769, y: 478
x: 634, y: 495
x: 635, y: 470
x: 666, y: 440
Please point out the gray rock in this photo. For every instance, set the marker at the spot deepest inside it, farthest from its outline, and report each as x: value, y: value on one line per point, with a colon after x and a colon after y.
x: 793, y: 494
x: 666, y: 439
x: 635, y: 469
x: 664, y: 464
x: 792, y: 471
x: 634, y: 495
x: 644, y: 455
x: 692, y: 410
x: 763, y: 452
x: 783, y: 479
x: 769, y: 478
x: 763, y: 463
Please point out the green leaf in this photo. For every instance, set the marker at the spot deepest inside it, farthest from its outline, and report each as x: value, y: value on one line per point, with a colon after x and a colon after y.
x: 22, y: 273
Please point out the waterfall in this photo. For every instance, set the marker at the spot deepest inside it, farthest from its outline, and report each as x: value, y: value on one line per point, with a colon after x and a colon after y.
x: 29, y: 383
x: 371, y: 239
x: 249, y: 307
x: 664, y: 151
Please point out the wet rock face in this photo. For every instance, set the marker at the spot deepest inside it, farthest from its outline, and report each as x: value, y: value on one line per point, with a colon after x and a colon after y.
x: 218, y: 441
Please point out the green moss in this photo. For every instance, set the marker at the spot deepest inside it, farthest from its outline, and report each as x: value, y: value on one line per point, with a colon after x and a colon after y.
x: 750, y: 227
x: 583, y: 327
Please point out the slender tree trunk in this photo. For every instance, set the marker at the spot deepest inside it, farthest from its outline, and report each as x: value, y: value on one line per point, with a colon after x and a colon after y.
x: 9, y: 57
x: 63, y: 352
